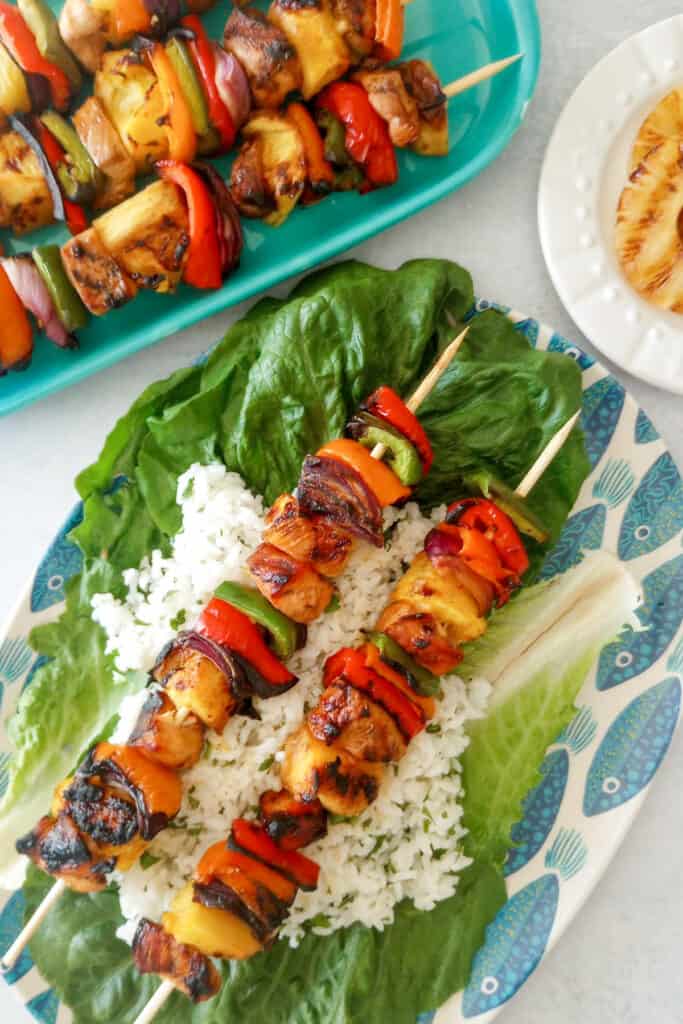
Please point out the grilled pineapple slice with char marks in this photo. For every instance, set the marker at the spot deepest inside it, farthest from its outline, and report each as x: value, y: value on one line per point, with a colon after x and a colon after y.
x: 310, y: 27
x: 282, y: 159
x: 664, y: 122
x: 25, y: 202
x: 440, y: 594
x: 648, y: 232
x: 134, y: 103
x: 148, y: 236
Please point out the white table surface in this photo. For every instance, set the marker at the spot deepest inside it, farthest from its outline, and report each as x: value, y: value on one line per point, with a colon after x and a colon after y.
x: 620, y: 961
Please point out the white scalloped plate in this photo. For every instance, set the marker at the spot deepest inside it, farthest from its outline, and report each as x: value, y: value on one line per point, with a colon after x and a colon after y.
x: 584, y: 171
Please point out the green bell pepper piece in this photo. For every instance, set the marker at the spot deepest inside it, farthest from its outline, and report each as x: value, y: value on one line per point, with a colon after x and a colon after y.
x: 426, y: 683
x: 181, y: 60
x: 71, y: 311
x: 44, y: 27
x: 80, y: 178
x: 400, y: 455
x: 286, y: 635
x: 511, y: 503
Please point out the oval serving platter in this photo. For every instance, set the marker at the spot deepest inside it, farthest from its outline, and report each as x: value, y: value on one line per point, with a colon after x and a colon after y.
x: 457, y: 37
x: 596, y: 774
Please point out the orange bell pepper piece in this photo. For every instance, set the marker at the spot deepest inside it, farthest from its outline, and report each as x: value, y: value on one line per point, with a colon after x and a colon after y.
x: 130, y: 16
x: 318, y: 170
x: 381, y: 480
x: 16, y: 334
x: 182, y: 140
x: 160, y: 786
x: 389, y: 30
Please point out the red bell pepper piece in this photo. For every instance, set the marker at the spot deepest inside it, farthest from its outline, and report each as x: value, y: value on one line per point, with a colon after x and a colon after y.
x: 76, y: 218
x: 485, y: 516
x: 367, y: 136
x: 386, y: 405
x: 20, y: 41
x: 253, y: 839
x: 203, y: 264
x: 374, y: 660
x: 205, y: 65
x: 350, y: 665
x: 227, y: 626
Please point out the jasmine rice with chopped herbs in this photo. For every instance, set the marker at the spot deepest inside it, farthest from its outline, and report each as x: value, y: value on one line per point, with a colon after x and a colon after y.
x: 408, y: 843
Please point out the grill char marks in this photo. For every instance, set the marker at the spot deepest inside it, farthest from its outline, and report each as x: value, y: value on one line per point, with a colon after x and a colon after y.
x: 157, y: 952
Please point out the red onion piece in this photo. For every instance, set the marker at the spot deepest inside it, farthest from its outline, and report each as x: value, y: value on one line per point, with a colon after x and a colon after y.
x: 31, y: 289
x: 17, y: 125
x: 443, y: 550
x: 228, y: 222
x: 232, y: 85
x: 336, y: 492
x: 223, y: 659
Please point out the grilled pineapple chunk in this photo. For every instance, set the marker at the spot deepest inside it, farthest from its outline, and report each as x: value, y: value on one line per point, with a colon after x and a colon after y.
x: 283, y: 161
x: 311, y: 29
x: 133, y: 101
x: 648, y: 233
x: 440, y: 594
x: 25, y: 202
x: 214, y: 932
x: 14, y: 95
x: 665, y: 122
x: 342, y: 783
x: 148, y: 236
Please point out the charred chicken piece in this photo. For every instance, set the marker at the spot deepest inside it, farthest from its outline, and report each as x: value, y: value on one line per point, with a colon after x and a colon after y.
x: 56, y: 846
x: 388, y: 95
x: 83, y: 28
x: 155, y: 951
x: 342, y: 783
x: 420, y: 636
x: 289, y: 530
x: 195, y: 683
x: 108, y: 818
x: 310, y: 27
x: 289, y: 822
x: 333, y: 547
x: 363, y: 728
x: 173, y: 737
x: 95, y: 274
x: 291, y: 586
x: 280, y: 159
x: 267, y: 56
x: 422, y: 84
x: 355, y: 20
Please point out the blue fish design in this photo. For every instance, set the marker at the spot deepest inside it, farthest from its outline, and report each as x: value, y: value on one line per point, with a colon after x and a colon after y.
x: 4, y: 773
x: 529, y: 328
x: 602, y: 406
x: 660, y: 614
x: 44, y: 1007
x: 615, y: 483
x: 633, y: 747
x: 515, y: 943
x: 540, y: 810
x: 645, y: 429
x: 11, y: 923
x: 674, y: 662
x: 568, y: 853
x: 62, y: 561
x: 582, y: 532
x: 41, y: 660
x: 559, y: 344
x: 655, y: 512
x: 426, y: 1018
x: 580, y: 732
x: 15, y: 658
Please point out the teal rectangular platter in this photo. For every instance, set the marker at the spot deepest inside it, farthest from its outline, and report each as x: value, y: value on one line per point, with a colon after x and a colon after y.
x: 458, y: 36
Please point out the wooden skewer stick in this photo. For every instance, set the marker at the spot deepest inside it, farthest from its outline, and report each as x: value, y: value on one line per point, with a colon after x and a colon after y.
x: 546, y: 457
x: 428, y: 383
x: 156, y: 1002
x: 31, y: 927
x: 481, y: 75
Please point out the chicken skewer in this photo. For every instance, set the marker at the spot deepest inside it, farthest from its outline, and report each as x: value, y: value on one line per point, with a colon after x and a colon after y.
x: 15, y: 950
x: 364, y: 719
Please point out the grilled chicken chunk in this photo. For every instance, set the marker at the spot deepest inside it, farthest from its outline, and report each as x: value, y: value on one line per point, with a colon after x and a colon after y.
x: 193, y: 682
x: 289, y: 530
x: 421, y: 636
x: 170, y: 736
x: 355, y: 21
x: 148, y: 235
x: 248, y: 185
x: 134, y: 103
x: 363, y: 728
x: 291, y: 586
x: 392, y: 101
x: 155, y: 951
x: 333, y: 547
x: 313, y: 769
x: 25, y: 202
x: 291, y: 823
x: 310, y: 27
x: 84, y: 30
x: 423, y: 85
x: 56, y: 846
x: 108, y: 818
x: 101, y: 139
x: 95, y: 274
x: 267, y: 56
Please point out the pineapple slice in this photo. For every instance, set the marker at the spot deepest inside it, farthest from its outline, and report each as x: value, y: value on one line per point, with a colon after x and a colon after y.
x: 648, y: 232
x: 665, y: 122
x: 133, y: 101
x: 25, y: 201
x: 311, y: 29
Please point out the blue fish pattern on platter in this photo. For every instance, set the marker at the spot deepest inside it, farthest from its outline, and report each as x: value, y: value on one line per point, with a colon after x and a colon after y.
x: 559, y: 344
x: 530, y: 329
x: 660, y: 615
x: 632, y: 748
x: 580, y: 732
x: 615, y: 483
x: 540, y: 810
x: 515, y: 943
x: 44, y: 1007
x: 655, y: 513
x: 568, y: 853
x: 15, y: 658
x: 602, y: 406
x: 62, y: 561
x: 583, y: 532
x: 645, y: 431
x: 426, y: 1018
x: 41, y: 660
x: 11, y: 923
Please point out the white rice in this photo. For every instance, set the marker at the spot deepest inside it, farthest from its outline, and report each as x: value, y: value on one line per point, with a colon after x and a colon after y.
x: 408, y: 843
